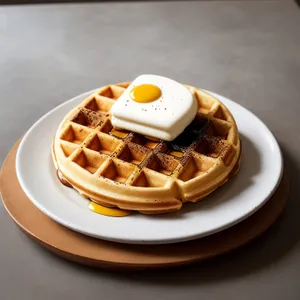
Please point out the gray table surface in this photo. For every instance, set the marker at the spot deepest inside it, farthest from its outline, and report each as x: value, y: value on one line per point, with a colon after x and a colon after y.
x: 248, y: 51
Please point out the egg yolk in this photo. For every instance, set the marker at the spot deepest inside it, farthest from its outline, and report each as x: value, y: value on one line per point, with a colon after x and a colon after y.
x: 107, y: 211
x: 145, y: 93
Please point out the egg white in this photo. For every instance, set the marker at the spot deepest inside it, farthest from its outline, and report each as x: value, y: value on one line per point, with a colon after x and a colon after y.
x: 164, y: 118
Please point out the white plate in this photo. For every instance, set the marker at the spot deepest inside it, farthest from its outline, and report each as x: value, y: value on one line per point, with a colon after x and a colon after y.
x: 259, y: 176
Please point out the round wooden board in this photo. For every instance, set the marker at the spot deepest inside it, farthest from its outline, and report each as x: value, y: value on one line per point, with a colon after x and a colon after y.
x: 98, y: 253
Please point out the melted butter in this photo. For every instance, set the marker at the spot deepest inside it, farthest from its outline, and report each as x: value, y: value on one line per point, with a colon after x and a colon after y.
x: 151, y: 138
x: 176, y: 153
x: 119, y: 133
x: 145, y: 93
x: 107, y: 211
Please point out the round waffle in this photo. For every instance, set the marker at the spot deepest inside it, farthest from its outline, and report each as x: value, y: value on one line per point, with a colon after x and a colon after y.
x: 123, y: 169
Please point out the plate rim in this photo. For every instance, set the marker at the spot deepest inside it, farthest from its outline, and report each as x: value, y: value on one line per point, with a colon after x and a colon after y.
x: 138, y: 240
x: 180, y: 253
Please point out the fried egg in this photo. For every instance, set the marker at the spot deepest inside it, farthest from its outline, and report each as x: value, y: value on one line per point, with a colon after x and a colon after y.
x: 155, y: 106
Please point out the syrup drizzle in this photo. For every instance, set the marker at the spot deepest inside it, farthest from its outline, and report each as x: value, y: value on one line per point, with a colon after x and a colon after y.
x: 97, y: 208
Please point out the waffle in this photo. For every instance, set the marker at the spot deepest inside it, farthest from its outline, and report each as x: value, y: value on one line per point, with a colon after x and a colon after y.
x: 123, y: 169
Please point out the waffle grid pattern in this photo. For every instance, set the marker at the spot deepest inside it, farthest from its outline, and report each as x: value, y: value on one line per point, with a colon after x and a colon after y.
x: 89, y: 140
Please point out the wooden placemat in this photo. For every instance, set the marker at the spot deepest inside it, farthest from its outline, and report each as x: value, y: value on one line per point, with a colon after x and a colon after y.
x: 98, y: 253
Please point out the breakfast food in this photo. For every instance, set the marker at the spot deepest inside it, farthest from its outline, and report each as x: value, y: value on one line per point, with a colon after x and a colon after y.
x: 123, y: 169
x: 155, y: 106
